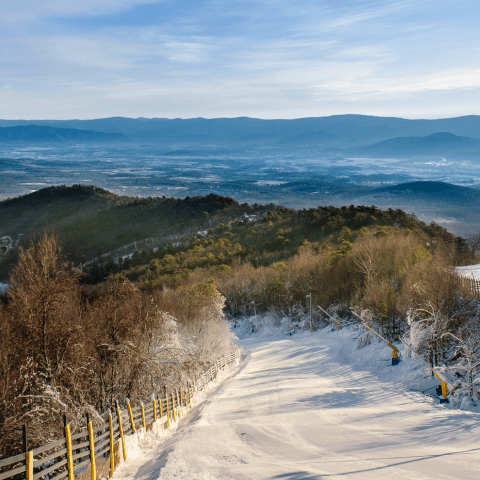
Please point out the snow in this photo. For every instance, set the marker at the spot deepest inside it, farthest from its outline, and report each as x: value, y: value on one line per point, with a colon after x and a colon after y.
x: 314, y: 406
x: 471, y: 271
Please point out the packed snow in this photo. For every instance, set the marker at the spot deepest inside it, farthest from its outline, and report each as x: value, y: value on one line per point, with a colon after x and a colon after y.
x: 311, y: 406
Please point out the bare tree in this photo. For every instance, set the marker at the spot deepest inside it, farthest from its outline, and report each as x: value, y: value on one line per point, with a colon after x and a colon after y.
x: 366, y: 261
x: 473, y: 242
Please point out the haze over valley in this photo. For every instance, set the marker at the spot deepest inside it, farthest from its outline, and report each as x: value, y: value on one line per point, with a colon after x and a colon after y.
x: 339, y: 160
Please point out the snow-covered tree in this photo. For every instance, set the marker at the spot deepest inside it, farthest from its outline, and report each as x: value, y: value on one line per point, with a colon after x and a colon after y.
x: 208, y: 330
x: 427, y: 327
x: 467, y: 345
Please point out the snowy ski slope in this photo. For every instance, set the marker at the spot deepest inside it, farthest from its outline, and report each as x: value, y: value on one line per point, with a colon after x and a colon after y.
x: 313, y: 407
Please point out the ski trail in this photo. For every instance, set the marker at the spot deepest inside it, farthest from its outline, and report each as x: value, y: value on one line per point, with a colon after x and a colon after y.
x: 296, y: 408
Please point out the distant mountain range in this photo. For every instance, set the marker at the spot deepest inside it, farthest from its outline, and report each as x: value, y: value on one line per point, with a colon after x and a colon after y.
x: 437, y: 144
x: 36, y: 133
x: 335, y: 131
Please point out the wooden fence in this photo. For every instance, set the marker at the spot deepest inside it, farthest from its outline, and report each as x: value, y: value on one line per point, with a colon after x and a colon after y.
x: 471, y: 284
x: 96, y: 452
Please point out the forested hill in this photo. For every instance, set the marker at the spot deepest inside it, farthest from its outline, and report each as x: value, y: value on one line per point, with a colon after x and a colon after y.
x: 91, y: 221
x: 159, y: 240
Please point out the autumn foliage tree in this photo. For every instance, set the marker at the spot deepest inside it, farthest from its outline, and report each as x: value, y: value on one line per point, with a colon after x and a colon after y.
x: 73, y: 349
x: 45, y: 348
x: 45, y: 304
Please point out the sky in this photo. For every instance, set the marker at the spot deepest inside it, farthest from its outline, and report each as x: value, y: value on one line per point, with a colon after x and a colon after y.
x: 87, y: 59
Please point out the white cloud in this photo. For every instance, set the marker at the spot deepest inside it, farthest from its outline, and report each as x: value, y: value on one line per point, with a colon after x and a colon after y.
x: 367, y: 11
x: 27, y: 10
x: 235, y: 58
x: 447, y: 80
x: 126, y: 53
x: 374, y: 86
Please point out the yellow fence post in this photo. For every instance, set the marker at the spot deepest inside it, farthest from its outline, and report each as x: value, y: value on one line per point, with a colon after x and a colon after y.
x: 68, y: 441
x: 131, y: 415
x: 29, y: 461
x: 91, y: 439
x: 124, y: 448
x: 112, y: 453
x: 143, y: 415
x: 28, y: 455
x: 190, y: 395
x: 160, y: 410
x: 173, y: 408
x: 181, y: 401
x: 154, y: 408
x: 168, y: 412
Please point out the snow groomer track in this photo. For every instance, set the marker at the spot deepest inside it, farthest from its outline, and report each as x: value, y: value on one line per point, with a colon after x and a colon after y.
x: 302, y: 407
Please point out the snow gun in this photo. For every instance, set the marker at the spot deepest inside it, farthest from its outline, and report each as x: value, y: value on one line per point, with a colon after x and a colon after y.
x: 395, y: 350
x: 333, y: 319
x: 445, y: 386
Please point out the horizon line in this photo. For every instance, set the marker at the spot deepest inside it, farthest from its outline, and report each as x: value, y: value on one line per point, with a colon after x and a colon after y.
x: 233, y: 118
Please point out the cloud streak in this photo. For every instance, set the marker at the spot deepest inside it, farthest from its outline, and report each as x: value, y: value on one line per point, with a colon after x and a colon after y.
x: 216, y: 58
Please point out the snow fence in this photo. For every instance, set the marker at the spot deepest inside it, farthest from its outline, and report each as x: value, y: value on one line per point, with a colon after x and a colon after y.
x: 96, y: 452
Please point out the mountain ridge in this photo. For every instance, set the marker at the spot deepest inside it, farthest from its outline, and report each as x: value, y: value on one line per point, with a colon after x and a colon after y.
x: 47, y: 133
x: 348, y: 129
x: 434, y: 144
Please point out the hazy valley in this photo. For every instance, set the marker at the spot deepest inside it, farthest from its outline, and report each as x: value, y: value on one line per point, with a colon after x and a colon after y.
x: 297, y: 163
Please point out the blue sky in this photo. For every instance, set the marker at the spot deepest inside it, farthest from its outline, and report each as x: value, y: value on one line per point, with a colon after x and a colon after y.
x: 265, y: 59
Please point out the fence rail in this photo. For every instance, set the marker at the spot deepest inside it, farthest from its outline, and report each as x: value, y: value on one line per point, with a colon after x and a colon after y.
x: 95, y: 453
x: 471, y: 284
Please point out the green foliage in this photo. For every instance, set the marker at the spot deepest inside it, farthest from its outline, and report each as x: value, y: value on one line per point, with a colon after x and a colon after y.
x: 420, y: 254
x: 345, y: 247
x: 204, y: 289
x: 346, y: 235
